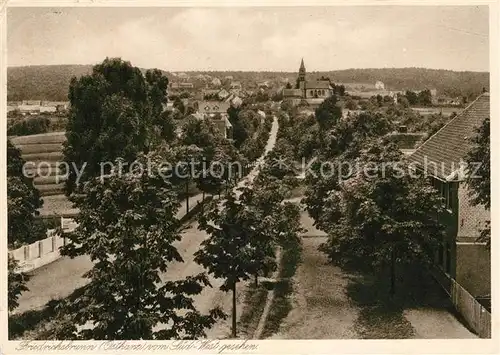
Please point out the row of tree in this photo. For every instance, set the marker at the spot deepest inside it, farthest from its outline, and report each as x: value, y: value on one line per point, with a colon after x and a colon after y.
x: 374, y: 221
x: 127, y: 222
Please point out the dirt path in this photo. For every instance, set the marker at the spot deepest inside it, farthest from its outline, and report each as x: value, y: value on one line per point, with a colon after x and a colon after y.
x: 321, y: 308
x: 330, y: 303
x: 61, y: 277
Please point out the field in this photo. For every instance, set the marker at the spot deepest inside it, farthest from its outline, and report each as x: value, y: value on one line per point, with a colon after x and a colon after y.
x: 46, y: 148
x: 45, y: 138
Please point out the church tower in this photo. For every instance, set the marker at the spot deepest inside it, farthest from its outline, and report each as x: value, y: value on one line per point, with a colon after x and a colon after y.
x: 302, y: 71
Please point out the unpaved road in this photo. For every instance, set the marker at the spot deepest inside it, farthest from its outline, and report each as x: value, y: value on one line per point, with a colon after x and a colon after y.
x: 63, y: 276
x: 323, y: 309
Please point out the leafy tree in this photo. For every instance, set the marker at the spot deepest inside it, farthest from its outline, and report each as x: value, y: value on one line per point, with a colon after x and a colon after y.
x: 228, y: 252
x: 127, y: 226
x: 187, y: 160
x: 240, y: 133
x: 178, y: 104
x: 23, y: 202
x: 383, y: 219
x: 479, y: 183
x: 350, y: 104
x: 341, y: 90
x: 289, y: 86
x: 111, y: 116
x: 412, y: 97
x: 328, y: 113
x: 16, y: 283
x: 425, y: 97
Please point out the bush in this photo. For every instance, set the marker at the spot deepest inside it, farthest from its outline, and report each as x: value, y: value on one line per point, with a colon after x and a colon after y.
x: 23, y: 126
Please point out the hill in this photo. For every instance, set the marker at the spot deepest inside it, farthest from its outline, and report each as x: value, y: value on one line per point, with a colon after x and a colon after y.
x: 50, y: 82
x: 447, y: 82
x: 42, y: 82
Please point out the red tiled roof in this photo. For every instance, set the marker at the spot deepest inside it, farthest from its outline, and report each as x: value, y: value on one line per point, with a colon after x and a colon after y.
x: 450, y: 145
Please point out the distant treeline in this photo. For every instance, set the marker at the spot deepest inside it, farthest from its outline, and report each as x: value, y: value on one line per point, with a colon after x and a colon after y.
x: 51, y: 82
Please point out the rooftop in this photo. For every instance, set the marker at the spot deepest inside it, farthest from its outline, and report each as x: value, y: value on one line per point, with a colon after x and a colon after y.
x: 318, y: 84
x: 451, y: 144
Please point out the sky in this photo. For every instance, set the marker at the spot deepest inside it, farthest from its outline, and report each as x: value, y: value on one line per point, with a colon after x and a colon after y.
x: 254, y: 38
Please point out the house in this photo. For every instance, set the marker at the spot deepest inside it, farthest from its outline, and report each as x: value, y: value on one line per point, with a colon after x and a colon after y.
x: 223, y: 94
x: 216, y: 82
x: 29, y: 109
x: 212, y: 108
x: 264, y: 85
x: 236, y: 85
x: 236, y: 101
x: 186, y: 86
x: 47, y: 108
x: 441, y: 157
x: 379, y: 85
x: 312, y: 91
x: 219, y: 119
x: 181, y: 86
x: 32, y: 102
x: 208, y: 94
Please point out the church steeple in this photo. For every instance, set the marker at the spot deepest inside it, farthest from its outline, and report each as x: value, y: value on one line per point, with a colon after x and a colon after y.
x: 302, y: 71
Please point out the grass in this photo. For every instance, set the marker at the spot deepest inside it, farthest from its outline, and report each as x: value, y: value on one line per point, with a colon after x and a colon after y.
x: 283, y: 289
x: 40, y: 148
x: 31, y: 324
x: 49, y: 180
x: 44, y: 138
x: 49, y: 157
x: 50, y: 189
x: 255, y: 301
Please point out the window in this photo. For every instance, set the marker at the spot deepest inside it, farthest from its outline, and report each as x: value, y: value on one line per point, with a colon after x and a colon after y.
x: 311, y: 92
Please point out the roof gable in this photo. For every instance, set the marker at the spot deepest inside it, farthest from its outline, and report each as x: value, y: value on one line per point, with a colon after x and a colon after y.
x: 451, y: 144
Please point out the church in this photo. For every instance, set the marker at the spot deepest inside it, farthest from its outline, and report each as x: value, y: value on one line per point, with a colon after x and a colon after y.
x: 313, y: 92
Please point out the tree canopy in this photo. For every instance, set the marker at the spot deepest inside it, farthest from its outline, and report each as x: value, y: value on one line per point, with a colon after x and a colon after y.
x: 127, y: 225
x: 113, y: 113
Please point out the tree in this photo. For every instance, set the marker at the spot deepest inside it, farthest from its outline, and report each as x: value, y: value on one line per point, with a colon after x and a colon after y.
x: 479, y: 183
x: 128, y: 227
x: 178, y: 104
x: 350, y: 104
x: 412, y: 97
x: 227, y: 253
x: 16, y: 283
x: 23, y: 202
x: 328, y: 113
x: 384, y: 219
x: 425, y: 97
x: 240, y: 133
x: 111, y: 116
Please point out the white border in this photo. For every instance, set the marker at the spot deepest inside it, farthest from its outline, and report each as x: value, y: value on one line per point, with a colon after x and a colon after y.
x: 470, y: 346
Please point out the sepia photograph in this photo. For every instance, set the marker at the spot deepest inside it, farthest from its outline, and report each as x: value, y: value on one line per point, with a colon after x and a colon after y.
x: 246, y: 173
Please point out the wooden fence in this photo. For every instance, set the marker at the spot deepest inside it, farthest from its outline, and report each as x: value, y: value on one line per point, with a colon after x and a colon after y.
x: 476, y: 316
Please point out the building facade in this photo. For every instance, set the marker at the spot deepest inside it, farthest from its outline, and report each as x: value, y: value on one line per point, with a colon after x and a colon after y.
x: 460, y: 255
x: 312, y: 91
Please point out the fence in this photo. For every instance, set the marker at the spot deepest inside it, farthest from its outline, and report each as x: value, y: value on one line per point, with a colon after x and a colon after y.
x: 476, y: 316
x: 39, y: 253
